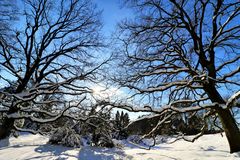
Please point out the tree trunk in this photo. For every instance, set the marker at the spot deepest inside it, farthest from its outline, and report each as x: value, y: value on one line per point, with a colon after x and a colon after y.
x: 231, y: 129
x: 6, y: 127
x: 227, y: 120
x: 7, y: 124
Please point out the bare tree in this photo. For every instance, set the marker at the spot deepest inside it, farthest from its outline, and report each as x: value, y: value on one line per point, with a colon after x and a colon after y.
x: 8, y: 13
x: 52, y: 53
x: 181, y: 51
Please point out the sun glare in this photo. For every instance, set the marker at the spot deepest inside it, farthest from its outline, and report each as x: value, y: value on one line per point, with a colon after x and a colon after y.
x: 107, y: 92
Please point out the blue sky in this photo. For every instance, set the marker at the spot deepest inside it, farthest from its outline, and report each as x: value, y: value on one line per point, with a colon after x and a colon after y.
x: 112, y: 14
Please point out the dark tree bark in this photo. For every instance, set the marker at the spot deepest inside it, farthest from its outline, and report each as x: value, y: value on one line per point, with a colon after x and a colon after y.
x: 231, y: 129
x: 6, y: 127
x: 228, y: 122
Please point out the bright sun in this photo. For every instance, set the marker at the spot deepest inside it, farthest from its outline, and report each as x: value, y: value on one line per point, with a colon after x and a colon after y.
x: 106, y: 92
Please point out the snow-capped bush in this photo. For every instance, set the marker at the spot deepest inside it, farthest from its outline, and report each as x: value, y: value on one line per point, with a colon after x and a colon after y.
x: 46, y: 128
x: 102, y: 140
x: 57, y: 136
x: 72, y: 140
x: 65, y: 136
x: 105, y: 142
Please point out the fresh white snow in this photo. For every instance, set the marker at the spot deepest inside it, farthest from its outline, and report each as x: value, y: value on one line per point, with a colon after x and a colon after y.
x: 35, y: 147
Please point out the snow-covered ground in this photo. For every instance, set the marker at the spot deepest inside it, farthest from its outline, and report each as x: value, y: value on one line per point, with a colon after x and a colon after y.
x: 31, y: 147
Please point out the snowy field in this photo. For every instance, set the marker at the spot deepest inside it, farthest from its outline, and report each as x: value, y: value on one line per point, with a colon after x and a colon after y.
x: 31, y: 147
